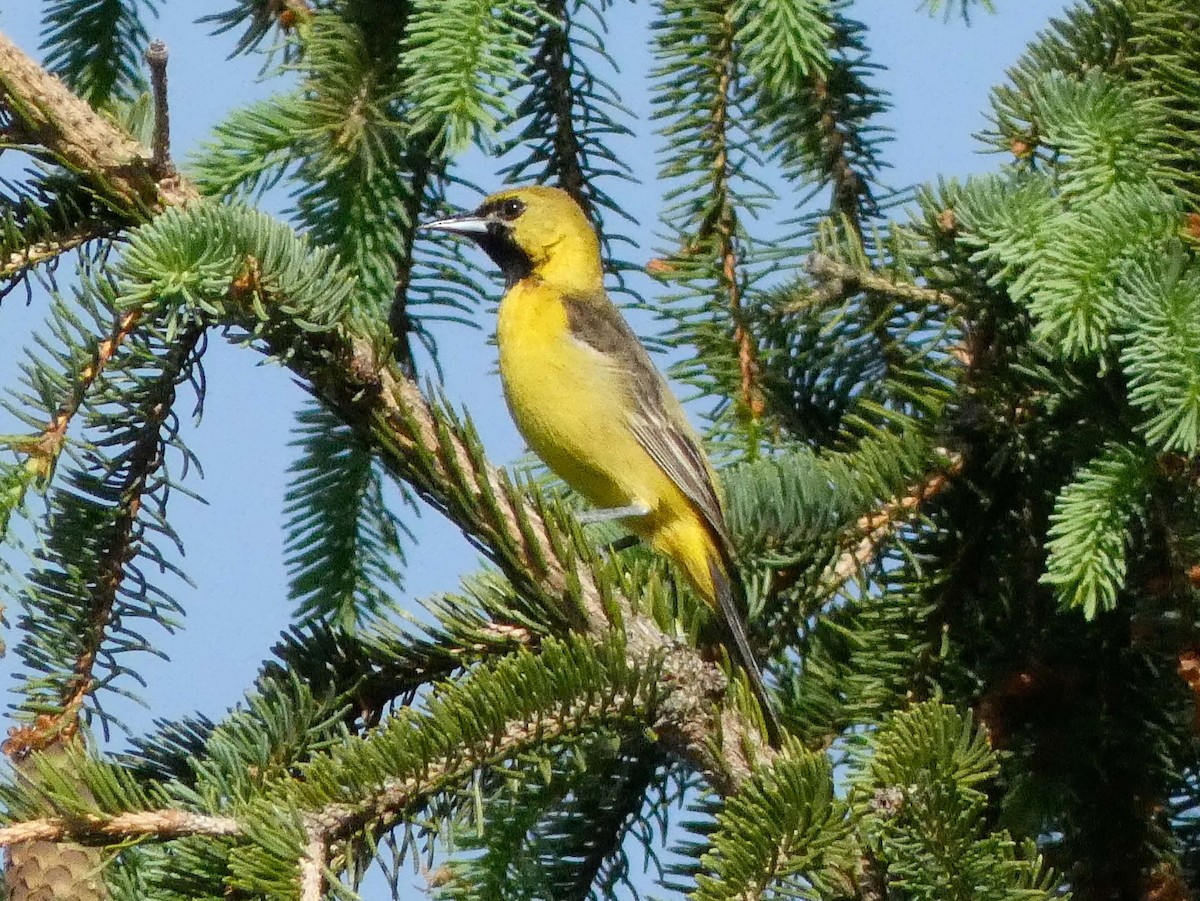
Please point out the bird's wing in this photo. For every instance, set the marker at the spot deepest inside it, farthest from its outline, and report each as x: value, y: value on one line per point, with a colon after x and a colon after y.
x: 656, y: 418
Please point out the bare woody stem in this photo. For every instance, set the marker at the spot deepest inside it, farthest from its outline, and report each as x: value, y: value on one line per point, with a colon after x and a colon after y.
x: 160, y: 159
x: 838, y: 279
x: 312, y: 867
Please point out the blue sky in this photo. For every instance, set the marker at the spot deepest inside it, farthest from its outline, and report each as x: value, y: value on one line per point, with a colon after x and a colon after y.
x: 939, y: 74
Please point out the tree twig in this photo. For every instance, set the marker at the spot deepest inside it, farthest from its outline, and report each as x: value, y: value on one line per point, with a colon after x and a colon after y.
x: 849, y: 188
x: 837, y: 279
x: 45, y: 251
x: 749, y: 367
x: 50, y: 115
x: 875, y: 528
x: 142, y: 461
x: 43, y: 450
x: 160, y: 150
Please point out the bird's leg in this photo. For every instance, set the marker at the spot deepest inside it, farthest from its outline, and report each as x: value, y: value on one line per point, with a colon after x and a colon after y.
x: 607, y: 514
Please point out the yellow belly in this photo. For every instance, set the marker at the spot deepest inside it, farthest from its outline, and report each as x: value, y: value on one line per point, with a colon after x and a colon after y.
x: 571, y: 406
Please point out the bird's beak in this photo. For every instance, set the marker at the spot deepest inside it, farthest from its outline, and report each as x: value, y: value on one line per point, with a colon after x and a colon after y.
x: 468, y: 224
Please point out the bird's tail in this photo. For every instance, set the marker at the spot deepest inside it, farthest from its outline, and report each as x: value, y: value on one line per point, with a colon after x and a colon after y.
x: 729, y: 596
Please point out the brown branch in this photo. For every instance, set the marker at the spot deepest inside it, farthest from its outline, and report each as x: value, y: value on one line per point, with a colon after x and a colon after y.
x: 50, y: 115
x: 44, y: 251
x: 875, y: 528
x: 847, y: 185
x: 43, y: 450
x: 159, y: 824
x: 749, y: 368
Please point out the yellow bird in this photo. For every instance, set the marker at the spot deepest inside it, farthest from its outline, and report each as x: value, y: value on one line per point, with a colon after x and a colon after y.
x: 589, y: 402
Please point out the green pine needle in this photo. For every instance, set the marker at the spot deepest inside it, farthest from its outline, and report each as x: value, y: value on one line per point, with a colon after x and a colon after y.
x: 1091, y: 527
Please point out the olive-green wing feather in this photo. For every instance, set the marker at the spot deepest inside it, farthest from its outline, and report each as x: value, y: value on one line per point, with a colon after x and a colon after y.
x: 660, y: 427
x: 656, y: 419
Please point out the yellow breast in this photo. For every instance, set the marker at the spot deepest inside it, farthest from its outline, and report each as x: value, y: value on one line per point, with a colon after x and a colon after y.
x: 571, y: 405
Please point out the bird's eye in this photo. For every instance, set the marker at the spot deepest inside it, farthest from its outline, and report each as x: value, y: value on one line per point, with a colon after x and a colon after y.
x: 511, y: 209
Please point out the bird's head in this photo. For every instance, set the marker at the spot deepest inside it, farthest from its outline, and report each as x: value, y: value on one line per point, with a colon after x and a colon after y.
x: 533, y: 231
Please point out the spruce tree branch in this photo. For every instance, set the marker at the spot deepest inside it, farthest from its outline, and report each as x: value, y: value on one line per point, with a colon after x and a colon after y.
x: 313, y: 865
x: 851, y: 194
x: 44, y: 450
x: 875, y: 528
x: 428, y: 449
x: 551, y: 58
x: 397, y: 797
x: 100, y: 830
x: 838, y: 279
x: 847, y: 184
x: 394, y: 799
x: 20, y: 261
x: 51, y: 116
x: 142, y: 461
x: 752, y: 399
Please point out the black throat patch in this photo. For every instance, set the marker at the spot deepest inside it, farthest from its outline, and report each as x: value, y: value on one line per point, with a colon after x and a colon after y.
x: 498, y: 244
